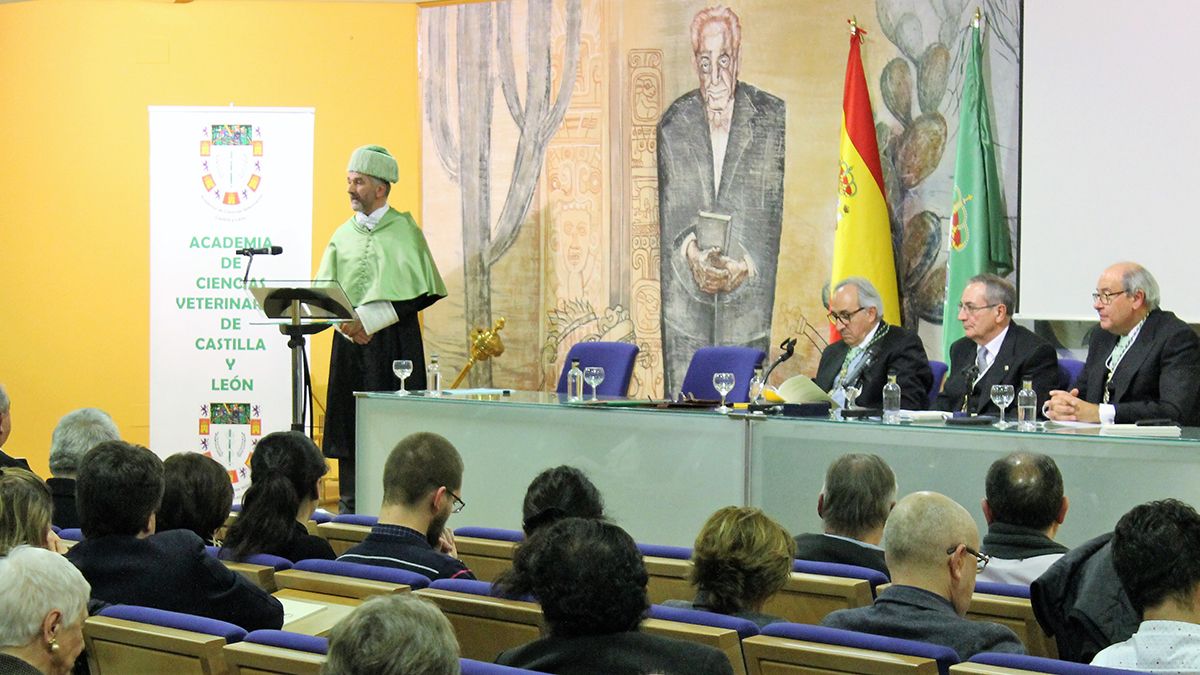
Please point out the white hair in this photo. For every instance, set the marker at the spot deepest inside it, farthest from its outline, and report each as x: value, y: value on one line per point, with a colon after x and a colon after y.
x: 393, y: 635
x: 76, y: 433
x: 867, y: 295
x: 35, y: 582
x: 1138, y: 278
x: 5, y: 403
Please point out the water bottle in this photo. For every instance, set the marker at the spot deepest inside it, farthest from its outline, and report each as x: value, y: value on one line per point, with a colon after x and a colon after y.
x: 574, y: 382
x: 433, y: 377
x: 891, y: 400
x: 1027, y: 407
x: 756, y: 385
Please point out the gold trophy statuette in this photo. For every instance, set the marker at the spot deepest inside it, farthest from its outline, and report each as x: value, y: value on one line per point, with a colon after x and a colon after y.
x: 484, y: 345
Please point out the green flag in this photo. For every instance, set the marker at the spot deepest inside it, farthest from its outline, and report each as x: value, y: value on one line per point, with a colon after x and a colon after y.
x: 979, y: 241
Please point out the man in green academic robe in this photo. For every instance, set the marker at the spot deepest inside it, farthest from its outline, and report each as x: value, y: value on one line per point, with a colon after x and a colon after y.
x: 380, y: 258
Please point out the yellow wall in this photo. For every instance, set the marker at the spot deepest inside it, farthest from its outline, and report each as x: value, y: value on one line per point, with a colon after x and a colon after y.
x: 75, y: 80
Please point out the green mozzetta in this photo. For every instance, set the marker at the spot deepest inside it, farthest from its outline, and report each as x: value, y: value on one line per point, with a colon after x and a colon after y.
x: 391, y: 262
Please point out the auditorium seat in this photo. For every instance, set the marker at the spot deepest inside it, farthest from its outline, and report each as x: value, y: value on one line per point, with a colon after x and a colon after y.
x: 678, y: 615
x: 616, y: 358
x: 71, y: 534
x: 1018, y: 664
x: 487, y: 551
x: 809, y: 595
x: 1068, y: 372
x: 276, y: 652
x: 740, y: 361
x: 1009, y: 605
x: 799, y: 648
x: 485, y: 625
x: 129, y: 639
x: 473, y: 667
x: 346, y: 531
x: 939, y: 369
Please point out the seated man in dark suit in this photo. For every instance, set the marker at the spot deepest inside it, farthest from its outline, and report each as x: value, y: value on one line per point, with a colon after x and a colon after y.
x: 1023, y: 508
x: 858, y: 495
x: 5, y: 430
x: 994, y: 351
x: 931, y: 547
x: 77, y: 432
x: 119, y: 487
x: 870, y: 349
x: 422, y: 484
x: 1144, y: 363
x: 589, y: 577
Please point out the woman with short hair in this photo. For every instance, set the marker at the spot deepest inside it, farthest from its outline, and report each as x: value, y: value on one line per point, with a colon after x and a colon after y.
x: 197, y: 496
x: 557, y: 493
x: 42, y: 608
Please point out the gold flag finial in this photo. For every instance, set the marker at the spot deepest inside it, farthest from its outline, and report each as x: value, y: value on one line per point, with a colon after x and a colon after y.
x: 855, y: 30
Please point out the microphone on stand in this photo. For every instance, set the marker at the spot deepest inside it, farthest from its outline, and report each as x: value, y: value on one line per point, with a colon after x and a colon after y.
x: 971, y: 374
x: 270, y: 250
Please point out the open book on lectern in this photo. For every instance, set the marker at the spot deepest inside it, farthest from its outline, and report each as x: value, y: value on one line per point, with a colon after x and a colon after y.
x: 317, y: 301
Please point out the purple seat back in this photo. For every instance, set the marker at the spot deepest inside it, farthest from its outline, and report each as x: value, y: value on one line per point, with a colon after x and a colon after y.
x: 287, y: 640
x: 1068, y: 372
x: 497, y: 533
x: 744, y: 627
x: 944, y: 656
x: 666, y: 551
x: 320, y: 516
x: 708, y: 360
x: 178, y: 620
x: 616, y: 358
x: 1042, y: 665
x: 267, y: 560
x: 1008, y: 590
x: 71, y: 533
x: 355, y: 519
x: 472, y: 586
x: 473, y: 667
x: 341, y: 568
x: 236, y: 507
x: 939, y: 369
x: 875, y: 577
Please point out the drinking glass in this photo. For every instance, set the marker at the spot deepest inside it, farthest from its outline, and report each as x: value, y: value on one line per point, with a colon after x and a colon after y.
x: 402, y: 368
x: 723, y: 383
x: 852, y: 393
x: 593, y: 375
x: 1002, y: 396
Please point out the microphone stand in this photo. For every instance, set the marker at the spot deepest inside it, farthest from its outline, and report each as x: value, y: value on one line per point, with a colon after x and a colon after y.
x: 789, y: 347
x: 249, y: 261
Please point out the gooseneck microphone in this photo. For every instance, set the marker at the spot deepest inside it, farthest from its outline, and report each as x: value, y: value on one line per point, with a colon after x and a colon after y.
x: 271, y: 250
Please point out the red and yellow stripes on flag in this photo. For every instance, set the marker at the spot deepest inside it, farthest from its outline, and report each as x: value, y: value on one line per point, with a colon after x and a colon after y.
x: 862, y: 245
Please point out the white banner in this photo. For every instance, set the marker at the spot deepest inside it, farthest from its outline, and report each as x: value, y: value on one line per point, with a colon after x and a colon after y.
x: 223, y: 179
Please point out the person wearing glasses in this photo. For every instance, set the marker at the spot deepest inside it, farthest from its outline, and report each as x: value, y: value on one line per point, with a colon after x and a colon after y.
x: 931, y: 545
x: 869, y: 349
x: 994, y: 351
x: 1143, y: 364
x: 422, y: 484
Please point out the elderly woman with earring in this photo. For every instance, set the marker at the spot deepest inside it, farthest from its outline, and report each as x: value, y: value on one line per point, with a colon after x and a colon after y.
x: 25, y: 510
x: 43, y: 602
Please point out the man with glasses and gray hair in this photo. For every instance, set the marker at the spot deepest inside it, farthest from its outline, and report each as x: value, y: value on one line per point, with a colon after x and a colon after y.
x: 994, y: 351
x: 870, y: 349
x: 932, y: 548
x: 1143, y: 363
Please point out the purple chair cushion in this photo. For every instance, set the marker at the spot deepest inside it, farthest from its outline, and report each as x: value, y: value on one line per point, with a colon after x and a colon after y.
x: 71, y: 533
x: 1068, y: 372
x: 744, y: 627
x: 665, y: 551
x: 1042, y: 665
x: 616, y: 358
x: 179, y: 620
x: 939, y: 369
x: 875, y: 577
x: 708, y: 360
x: 268, y: 560
x: 472, y: 586
x: 473, y: 667
x: 944, y: 656
x: 491, y: 533
x: 355, y: 519
x: 1008, y: 590
x: 321, y: 516
x: 286, y: 640
x: 361, y: 571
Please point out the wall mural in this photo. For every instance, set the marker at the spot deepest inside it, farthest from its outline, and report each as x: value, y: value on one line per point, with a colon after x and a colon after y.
x: 569, y: 182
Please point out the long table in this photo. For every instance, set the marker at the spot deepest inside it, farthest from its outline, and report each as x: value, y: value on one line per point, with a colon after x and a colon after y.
x: 663, y: 472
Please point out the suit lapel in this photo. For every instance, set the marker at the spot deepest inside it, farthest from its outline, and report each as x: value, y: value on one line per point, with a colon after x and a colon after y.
x: 741, y: 132
x: 1131, y: 363
x: 998, y: 372
x: 701, y: 150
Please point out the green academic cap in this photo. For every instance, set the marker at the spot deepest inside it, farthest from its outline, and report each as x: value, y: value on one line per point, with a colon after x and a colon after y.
x: 374, y: 160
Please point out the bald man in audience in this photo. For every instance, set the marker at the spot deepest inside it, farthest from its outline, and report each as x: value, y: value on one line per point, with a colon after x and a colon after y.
x: 858, y: 494
x: 1143, y: 362
x: 931, y: 546
x: 1023, y: 508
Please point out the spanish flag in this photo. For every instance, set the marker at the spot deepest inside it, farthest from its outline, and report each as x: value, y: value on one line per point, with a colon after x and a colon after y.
x: 862, y: 244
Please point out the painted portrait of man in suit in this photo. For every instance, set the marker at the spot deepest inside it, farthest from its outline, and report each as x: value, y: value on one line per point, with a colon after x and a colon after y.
x: 720, y: 177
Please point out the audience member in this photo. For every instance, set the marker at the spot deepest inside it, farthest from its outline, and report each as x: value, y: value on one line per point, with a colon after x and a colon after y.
x: 871, y: 348
x: 120, y: 487
x: 741, y: 559
x: 931, y: 546
x: 5, y: 430
x: 25, y: 508
x: 197, y: 495
x: 1023, y: 508
x: 285, y: 475
x: 422, y: 484
x: 1164, y: 588
x: 76, y: 433
x: 1143, y: 362
x: 399, y: 634
x: 858, y: 494
x: 561, y: 492
x: 589, y: 578
x: 42, y: 607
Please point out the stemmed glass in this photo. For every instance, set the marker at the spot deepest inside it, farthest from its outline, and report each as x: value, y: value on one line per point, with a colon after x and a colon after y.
x: 852, y: 393
x: 1002, y: 396
x: 402, y: 368
x: 723, y: 383
x: 593, y: 375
